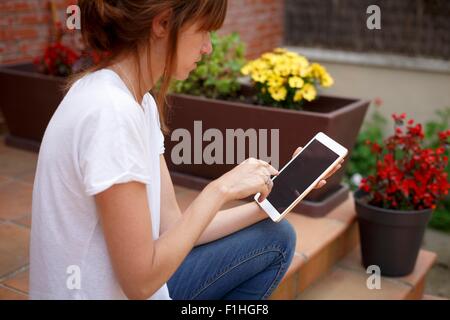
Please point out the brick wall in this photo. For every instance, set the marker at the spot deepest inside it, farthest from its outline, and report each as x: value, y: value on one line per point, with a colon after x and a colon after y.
x: 259, y: 22
x: 25, y: 26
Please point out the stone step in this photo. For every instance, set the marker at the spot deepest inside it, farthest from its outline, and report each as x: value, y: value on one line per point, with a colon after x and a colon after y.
x: 321, y: 242
x: 348, y: 281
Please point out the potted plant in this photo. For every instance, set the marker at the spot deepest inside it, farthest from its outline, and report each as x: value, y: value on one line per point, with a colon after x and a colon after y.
x: 395, y: 203
x: 283, y: 92
x: 27, y: 115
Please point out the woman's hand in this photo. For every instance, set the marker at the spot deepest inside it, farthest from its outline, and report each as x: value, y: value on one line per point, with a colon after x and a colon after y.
x: 321, y: 183
x: 249, y: 177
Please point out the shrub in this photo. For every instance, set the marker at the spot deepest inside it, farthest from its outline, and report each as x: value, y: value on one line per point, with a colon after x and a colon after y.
x: 216, y: 75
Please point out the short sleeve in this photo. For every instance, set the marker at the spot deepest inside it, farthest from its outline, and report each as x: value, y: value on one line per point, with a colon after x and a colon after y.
x: 160, y: 137
x: 156, y: 120
x: 112, y: 150
x: 162, y: 148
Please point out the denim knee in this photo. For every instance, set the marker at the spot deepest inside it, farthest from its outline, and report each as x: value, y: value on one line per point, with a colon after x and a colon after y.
x: 288, y: 237
x: 283, y: 235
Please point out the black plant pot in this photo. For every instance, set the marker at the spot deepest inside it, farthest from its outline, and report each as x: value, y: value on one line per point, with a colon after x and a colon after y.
x: 390, y: 239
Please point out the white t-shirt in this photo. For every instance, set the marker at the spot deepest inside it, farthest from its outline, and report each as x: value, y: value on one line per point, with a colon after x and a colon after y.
x: 98, y: 136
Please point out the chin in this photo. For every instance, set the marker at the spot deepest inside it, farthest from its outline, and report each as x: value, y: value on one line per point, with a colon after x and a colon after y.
x: 181, y: 77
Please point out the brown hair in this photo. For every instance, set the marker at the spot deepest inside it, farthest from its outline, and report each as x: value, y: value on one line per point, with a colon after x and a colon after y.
x: 121, y: 26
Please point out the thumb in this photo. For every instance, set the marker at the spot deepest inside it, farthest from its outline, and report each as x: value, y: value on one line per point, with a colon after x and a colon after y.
x: 297, y: 151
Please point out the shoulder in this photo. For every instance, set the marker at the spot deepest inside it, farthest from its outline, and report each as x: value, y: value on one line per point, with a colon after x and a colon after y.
x: 102, y: 94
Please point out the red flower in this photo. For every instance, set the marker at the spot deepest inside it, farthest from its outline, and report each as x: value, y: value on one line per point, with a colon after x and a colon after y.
x: 443, y: 136
x: 408, y: 176
x: 57, y: 60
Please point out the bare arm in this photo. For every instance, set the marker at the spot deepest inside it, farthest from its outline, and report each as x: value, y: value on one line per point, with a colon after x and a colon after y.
x: 142, y: 264
x: 224, y: 223
x: 231, y: 220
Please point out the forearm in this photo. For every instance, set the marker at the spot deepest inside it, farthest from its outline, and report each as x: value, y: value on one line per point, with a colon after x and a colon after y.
x: 231, y: 220
x: 174, y: 245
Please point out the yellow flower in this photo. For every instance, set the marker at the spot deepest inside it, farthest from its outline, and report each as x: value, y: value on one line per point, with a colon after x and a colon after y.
x: 270, y: 58
x: 326, y: 80
x: 245, y: 70
x: 278, y: 93
x: 282, y: 69
x: 317, y: 70
x: 259, y: 77
x: 260, y: 65
x: 296, y: 82
x: 309, y: 92
x: 305, y: 72
x: 275, y: 81
x: 298, y: 96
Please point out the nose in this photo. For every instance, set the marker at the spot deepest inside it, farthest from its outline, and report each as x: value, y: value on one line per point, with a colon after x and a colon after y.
x: 207, y: 47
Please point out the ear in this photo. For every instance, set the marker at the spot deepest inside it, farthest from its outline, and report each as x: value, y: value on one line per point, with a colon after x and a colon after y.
x: 160, y: 24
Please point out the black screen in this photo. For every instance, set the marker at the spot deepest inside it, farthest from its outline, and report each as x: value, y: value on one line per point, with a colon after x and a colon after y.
x: 300, y: 174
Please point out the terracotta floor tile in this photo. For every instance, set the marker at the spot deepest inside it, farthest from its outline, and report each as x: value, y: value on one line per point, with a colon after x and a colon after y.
x: 18, y: 282
x: 24, y: 221
x: 15, y: 200
x: 4, y: 179
x: 286, y: 290
x: 14, y: 247
x: 288, y: 285
x: 425, y: 260
x: 314, y: 233
x: 352, y: 260
x: 345, y: 212
x: 341, y: 284
x: 296, y: 264
x: 8, y: 294
x: 27, y: 177
x: 15, y: 162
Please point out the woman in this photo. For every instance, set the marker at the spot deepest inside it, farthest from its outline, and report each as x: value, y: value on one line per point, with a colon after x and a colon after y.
x: 105, y: 221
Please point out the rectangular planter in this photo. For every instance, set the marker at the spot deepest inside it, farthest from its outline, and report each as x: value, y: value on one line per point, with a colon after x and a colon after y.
x: 28, y: 102
x: 340, y: 118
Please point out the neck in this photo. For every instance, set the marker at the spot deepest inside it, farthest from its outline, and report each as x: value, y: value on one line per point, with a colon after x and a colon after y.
x: 138, y: 81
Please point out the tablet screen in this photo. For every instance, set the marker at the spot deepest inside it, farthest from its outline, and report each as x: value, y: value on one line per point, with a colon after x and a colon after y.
x: 300, y: 174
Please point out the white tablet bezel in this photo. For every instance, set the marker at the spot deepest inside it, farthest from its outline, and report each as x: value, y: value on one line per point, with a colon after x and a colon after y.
x: 329, y: 143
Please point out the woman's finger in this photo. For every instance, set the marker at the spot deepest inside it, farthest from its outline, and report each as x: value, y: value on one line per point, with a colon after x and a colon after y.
x: 333, y: 171
x: 264, y: 192
x: 297, y: 151
x: 267, y: 165
x: 320, y: 184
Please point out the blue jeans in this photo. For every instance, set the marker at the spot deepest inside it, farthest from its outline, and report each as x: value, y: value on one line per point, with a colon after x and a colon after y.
x: 248, y: 264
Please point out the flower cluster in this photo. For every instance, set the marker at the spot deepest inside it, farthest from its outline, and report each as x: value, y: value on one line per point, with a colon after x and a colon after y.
x: 408, y: 176
x: 58, y: 60
x: 285, y: 79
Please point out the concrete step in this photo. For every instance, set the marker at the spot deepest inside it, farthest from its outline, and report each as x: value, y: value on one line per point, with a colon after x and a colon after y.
x: 348, y: 281
x: 321, y: 242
